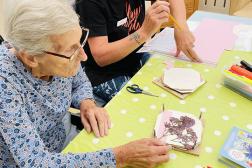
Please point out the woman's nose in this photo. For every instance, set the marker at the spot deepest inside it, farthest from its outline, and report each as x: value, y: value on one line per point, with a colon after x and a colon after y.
x: 83, y: 56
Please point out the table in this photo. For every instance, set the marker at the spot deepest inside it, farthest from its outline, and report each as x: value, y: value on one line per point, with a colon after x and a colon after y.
x: 200, y: 15
x: 133, y: 116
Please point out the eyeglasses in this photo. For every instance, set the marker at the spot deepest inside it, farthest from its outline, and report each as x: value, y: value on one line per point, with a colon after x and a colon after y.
x: 85, y: 33
x: 1, y: 39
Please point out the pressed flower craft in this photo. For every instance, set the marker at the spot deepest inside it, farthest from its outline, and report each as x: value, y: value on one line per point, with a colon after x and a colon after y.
x: 180, y: 130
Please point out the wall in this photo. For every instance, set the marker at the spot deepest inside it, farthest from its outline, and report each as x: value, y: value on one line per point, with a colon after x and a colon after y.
x: 1, y: 16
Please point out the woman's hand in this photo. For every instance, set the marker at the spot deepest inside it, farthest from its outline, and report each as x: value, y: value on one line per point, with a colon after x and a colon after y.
x: 185, y: 43
x: 94, y: 118
x: 155, y: 16
x: 145, y: 153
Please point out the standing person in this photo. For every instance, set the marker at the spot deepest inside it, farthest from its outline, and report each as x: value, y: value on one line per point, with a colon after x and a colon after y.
x: 117, y: 29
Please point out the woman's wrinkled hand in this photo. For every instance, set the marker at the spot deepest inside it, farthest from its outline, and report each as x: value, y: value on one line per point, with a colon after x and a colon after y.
x: 94, y: 118
x: 144, y: 153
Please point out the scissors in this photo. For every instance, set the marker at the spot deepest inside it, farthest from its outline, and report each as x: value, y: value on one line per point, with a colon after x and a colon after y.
x: 135, y: 89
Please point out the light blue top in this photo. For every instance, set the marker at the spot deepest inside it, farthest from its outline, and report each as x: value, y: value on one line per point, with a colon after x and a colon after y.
x: 31, y: 111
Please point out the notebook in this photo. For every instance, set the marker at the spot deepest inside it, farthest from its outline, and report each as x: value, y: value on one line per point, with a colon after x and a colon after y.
x: 237, y: 150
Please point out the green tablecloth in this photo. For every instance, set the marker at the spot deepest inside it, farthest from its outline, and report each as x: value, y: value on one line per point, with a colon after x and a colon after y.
x: 133, y: 116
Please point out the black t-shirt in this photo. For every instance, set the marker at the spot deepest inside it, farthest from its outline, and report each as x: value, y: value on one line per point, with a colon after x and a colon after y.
x: 101, y: 17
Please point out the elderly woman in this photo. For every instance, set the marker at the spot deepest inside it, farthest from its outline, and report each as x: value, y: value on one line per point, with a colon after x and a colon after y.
x: 40, y: 81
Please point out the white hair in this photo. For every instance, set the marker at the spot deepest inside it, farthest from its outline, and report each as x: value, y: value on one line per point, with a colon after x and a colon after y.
x: 32, y: 22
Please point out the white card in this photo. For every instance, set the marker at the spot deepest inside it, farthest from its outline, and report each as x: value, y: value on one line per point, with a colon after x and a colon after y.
x: 182, y: 78
x: 121, y: 22
x: 181, y: 130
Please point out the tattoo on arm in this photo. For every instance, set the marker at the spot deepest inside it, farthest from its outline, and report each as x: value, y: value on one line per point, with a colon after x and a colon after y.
x: 135, y: 36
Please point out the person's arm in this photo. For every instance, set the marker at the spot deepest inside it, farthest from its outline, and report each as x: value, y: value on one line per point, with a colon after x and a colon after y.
x: 178, y: 10
x: 25, y: 144
x: 106, y: 53
x: 81, y: 88
x: 93, y: 118
x: 184, y: 38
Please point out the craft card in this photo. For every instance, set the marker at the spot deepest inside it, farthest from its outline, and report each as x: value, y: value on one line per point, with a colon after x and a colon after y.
x: 180, y: 130
x: 182, y: 79
x: 181, y: 82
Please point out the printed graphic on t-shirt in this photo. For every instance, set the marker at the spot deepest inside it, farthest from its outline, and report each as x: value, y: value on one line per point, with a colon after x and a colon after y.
x: 134, y: 17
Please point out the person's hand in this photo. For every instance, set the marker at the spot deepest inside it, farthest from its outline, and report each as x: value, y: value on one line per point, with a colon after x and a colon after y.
x: 155, y: 16
x: 145, y: 153
x: 94, y: 118
x: 185, y: 43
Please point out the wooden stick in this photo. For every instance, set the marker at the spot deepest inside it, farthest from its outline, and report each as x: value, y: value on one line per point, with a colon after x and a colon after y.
x: 175, y: 22
x: 180, y: 28
x: 163, y: 108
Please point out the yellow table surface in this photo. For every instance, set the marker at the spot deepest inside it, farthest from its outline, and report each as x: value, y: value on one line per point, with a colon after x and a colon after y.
x: 133, y: 116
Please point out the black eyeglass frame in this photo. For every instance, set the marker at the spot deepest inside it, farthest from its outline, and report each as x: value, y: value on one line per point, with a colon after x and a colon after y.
x: 70, y: 58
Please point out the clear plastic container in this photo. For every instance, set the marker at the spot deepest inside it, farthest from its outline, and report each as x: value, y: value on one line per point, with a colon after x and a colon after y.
x: 237, y: 84
x: 244, y: 37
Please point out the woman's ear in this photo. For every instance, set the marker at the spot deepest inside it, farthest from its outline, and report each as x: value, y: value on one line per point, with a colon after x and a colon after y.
x: 27, y: 59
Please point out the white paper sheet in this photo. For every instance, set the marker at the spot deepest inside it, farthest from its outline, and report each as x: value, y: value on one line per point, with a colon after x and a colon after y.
x: 164, y: 42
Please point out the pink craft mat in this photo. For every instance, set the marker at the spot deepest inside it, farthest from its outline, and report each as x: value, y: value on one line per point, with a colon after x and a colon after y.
x: 212, y: 38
